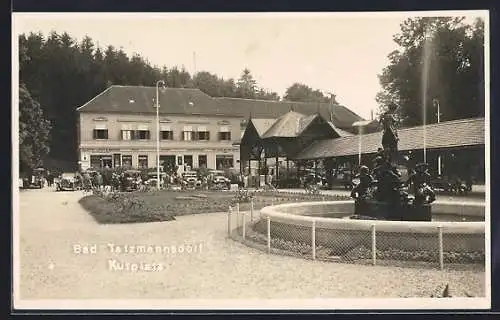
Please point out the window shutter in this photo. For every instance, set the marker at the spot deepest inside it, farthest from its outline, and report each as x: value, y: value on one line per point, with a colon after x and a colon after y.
x: 94, y: 134
x: 106, y: 134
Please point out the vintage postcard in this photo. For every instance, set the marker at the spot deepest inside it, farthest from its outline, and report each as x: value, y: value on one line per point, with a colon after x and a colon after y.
x: 323, y: 161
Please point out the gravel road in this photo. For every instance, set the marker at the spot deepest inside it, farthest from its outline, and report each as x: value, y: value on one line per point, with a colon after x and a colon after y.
x: 54, y: 229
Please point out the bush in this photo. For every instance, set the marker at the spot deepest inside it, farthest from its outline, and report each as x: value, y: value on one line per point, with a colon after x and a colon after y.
x: 120, y: 208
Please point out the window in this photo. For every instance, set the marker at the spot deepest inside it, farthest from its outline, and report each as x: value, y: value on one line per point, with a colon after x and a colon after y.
x: 128, y: 134
x: 202, y: 135
x: 127, y: 161
x: 202, y: 161
x: 142, y: 135
x: 224, y: 136
x: 224, y: 162
x: 101, y: 161
x: 100, y: 134
x: 166, y: 135
x: 187, y: 133
x: 143, y: 162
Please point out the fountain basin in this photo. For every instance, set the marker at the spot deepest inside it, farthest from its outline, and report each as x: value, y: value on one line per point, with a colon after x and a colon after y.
x: 293, y: 221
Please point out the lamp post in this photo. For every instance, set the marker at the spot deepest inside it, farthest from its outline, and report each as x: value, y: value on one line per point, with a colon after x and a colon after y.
x: 436, y: 105
x: 158, y: 183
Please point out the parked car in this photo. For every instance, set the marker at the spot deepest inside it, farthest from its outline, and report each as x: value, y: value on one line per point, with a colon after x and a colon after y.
x: 221, y: 179
x: 153, y: 179
x: 442, y: 183
x: 131, y: 180
x: 191, y: 179
x: 344, y: 178
x: 66, y: 182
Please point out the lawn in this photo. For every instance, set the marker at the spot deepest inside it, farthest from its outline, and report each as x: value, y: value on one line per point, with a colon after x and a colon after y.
x: 136, y: 207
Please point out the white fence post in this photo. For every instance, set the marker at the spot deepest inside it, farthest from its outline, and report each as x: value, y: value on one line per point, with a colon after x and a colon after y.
x: 269, y: 234
x: 374, y: 245
x: 313, y: 241
x: 251, y: 210
x: 238, y: 215
x: 244, y: 223
x: 229, y: 221
x: 440, y: 237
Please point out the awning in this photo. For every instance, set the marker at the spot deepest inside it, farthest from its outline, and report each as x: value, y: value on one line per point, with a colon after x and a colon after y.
x: 202, y: 129
x: 143, y: 127
x: 164, y: 127
x: 100, y: 126
x: 224, y: 129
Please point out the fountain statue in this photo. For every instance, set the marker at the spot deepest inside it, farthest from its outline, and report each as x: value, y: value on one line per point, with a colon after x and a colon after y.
x: 382, y: 194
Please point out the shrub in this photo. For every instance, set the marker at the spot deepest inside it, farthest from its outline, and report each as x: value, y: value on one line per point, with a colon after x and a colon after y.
x: 120, y: 208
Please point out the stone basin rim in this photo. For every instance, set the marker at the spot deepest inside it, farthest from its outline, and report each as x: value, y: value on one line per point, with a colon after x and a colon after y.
x: 469, y: 227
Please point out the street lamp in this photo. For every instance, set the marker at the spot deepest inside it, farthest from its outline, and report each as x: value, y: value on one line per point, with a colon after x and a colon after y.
x: 158, y: 132
x: 435, y: 102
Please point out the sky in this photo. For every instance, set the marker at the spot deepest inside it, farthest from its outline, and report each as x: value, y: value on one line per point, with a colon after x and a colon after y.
x: 333, y: 52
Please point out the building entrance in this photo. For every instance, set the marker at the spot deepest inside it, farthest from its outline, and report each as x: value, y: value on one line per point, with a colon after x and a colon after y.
x: 168, y: 163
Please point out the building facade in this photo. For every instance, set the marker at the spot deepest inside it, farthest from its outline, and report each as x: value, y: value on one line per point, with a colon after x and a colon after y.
x: 118, y: 127
x: 127, y: 140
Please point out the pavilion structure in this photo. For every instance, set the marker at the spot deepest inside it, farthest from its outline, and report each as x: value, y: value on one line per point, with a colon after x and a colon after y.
x: 459, y: 143
x: 284, y: 137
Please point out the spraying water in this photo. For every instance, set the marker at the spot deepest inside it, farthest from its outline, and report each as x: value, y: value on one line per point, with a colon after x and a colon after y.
x: 426, y: 61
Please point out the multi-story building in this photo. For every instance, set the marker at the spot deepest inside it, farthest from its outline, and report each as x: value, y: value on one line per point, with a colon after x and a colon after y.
x: 118, y: 127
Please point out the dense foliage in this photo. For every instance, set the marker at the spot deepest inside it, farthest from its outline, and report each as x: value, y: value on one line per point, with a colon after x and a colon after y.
x: 34, y: 132
x: 440, y: 61
x: 63, y: 74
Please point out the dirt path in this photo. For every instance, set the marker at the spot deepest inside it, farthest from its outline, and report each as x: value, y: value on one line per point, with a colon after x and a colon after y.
x: 51, y: 224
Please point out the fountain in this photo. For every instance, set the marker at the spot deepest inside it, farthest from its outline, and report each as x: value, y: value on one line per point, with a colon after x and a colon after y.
x: 381, y: 195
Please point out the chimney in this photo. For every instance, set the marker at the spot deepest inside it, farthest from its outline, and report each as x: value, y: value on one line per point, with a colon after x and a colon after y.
x: 371, y: 111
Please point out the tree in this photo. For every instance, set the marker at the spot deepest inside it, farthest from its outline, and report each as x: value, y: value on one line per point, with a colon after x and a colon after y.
x: 34, y: 131
x: 246, y: 85
x: 439, y: 58
x: 303, y: 93
x: 208, y: 83
x: 263, y: 94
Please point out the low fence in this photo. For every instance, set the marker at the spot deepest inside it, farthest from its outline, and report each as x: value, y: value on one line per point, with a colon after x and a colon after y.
x: 342, y: 240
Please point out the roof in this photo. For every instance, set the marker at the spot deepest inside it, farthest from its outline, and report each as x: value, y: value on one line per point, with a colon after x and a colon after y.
x: 289, y: 125
x: 140, y: 99
x: 342, y: 116
x: 262, y: 125
x: 449, y: 134
x: 340, y: 132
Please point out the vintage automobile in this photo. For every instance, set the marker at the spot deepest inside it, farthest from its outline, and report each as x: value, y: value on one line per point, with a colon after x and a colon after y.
x: 35, y: 181
x: 153, y: 179
x: 221, y: 183
x: 191, y: 179
x: 67, y: 182
x: 344, y: 178
x: 130, y: 181
x: 452, y: 185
